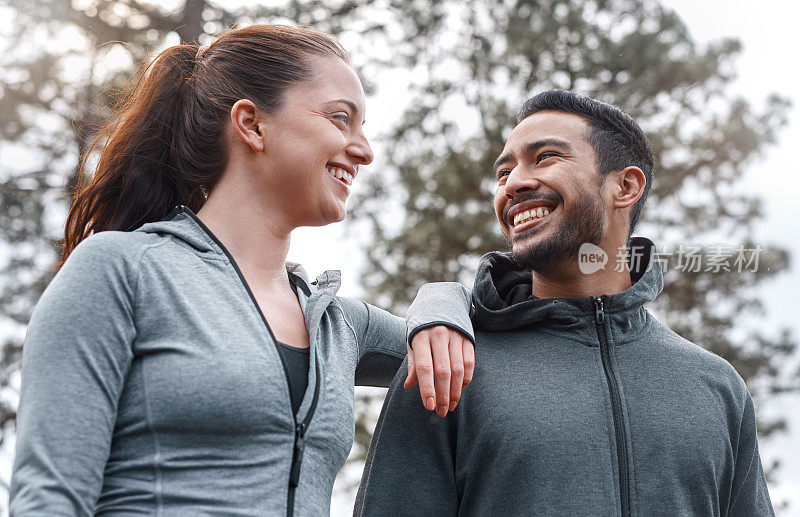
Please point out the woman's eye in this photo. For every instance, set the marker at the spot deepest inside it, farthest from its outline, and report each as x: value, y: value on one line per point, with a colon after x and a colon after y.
x: 342, y: 117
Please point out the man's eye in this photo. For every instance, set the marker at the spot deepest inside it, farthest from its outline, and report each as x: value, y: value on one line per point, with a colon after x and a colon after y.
x: 503, y: 173
x: 544, y: 156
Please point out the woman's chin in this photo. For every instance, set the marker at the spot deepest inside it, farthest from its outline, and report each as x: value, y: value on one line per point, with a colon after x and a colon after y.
x: 339, y: 213
x: 328, y: 217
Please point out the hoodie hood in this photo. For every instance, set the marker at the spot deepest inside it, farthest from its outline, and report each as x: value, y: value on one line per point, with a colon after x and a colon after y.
x: 184, y: 225
x: 503, y: 301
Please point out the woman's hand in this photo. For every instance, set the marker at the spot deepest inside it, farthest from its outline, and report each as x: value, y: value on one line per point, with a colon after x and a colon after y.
x: 442, y: 360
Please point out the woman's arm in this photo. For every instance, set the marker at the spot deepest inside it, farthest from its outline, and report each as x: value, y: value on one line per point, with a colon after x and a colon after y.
x: 76, y: 356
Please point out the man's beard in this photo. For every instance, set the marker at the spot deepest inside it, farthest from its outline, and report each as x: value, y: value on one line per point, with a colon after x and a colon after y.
x: 584, y: 223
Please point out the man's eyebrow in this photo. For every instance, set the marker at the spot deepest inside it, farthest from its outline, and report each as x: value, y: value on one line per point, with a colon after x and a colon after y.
x: 350, y: 104
x: 505, y: 158
x: 533, y: 147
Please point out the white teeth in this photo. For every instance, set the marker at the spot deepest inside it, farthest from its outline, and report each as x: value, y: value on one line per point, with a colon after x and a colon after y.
x: 527, y: 215
x: 341, y: 174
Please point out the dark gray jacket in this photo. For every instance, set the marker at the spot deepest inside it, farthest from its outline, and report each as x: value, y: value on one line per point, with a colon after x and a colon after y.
x: 579, y: 406
x: 151, y: 383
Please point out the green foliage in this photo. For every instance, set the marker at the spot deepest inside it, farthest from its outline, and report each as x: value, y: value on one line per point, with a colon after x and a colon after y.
x: 485, y: 58
x: 480, y: 60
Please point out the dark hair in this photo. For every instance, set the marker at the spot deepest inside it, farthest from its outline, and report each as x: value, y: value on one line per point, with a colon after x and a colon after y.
x: 617, y: 139
x: 164, y: 146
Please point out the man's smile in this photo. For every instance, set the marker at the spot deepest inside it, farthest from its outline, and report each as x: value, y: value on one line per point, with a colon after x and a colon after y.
x: 529, y: 213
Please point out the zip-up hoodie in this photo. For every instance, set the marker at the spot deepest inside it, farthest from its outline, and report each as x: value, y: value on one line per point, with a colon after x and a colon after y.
x: 578, y: 406
x: 151, y: 382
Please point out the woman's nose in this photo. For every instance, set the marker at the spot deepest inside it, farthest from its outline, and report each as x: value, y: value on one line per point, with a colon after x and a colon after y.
x: 360, y: 149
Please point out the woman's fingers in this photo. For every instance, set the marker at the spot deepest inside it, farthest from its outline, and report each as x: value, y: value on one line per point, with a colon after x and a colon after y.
x: 423, y: 368
x: 469, y: 361
x: 456, y: 368
x: 442, y: 362
x: 411, y: 377
x: 440, y: 345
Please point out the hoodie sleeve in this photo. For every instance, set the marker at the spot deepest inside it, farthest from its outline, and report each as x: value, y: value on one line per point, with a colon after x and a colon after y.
x: 749, y: 495
x: 75, y: 359
x: 410, y: 467
x: 441, y: 303
x: 382, y: 336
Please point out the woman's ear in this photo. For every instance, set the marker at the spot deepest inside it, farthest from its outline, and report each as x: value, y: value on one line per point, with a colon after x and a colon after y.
x: 630, y: 183
x: 246, y: 124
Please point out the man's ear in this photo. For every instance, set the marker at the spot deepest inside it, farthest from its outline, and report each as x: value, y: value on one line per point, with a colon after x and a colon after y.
x: 629, y: 186
x: 245, y: 120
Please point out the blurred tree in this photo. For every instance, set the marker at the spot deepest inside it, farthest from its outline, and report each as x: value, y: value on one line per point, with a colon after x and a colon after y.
x: 472, y: 65
x: 470, y: 60
x: 64, y: 66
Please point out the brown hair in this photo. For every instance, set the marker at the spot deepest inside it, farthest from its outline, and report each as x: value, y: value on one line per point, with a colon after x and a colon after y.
x: 164, y: 147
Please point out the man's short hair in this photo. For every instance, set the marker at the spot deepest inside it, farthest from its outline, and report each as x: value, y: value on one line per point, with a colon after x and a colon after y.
x: 617, y: 139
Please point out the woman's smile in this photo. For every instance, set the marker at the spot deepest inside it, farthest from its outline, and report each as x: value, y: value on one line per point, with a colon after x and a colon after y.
x: 343, y: 173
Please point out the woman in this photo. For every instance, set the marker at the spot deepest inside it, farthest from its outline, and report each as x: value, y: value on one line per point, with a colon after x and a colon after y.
x: 177, y: 365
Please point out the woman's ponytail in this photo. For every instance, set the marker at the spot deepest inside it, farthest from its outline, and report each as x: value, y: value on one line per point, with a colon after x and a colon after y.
x: 135, y: 181
x: 165, y: 147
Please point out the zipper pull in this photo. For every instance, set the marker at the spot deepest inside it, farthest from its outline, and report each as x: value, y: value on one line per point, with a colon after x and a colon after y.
x: 297, y: 457
x: 598, y: 310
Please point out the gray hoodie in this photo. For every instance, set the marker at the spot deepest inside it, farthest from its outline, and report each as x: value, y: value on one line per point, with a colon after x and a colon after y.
x: 578, y: 406
x: 151, y: 383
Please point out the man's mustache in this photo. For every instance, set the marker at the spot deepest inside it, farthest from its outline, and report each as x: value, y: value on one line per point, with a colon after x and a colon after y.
x: 536, y: 196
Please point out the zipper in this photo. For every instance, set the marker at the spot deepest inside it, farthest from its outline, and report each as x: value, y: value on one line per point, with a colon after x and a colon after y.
x: 299, y: 447
x: 299, y: 429
x: 616, y: 408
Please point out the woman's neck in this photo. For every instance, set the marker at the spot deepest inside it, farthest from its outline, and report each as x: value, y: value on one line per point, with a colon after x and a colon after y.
x: 256, y: 238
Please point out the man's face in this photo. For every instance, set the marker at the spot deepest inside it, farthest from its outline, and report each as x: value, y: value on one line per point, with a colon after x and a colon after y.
x: 548, y: 198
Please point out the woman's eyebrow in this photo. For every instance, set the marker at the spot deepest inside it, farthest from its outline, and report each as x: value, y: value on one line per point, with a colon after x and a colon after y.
x: 352, y: 105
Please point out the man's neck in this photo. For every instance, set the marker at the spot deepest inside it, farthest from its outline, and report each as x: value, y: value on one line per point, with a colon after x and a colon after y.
x: 572, y: 283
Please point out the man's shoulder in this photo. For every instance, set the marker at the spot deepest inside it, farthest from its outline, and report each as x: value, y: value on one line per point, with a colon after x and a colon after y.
x: 691, y: 357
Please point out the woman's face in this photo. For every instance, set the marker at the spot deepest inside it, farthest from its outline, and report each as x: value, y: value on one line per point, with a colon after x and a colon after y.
x: 315, y: 144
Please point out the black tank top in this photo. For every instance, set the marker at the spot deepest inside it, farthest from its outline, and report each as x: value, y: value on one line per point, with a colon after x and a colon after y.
x: 296, y: 362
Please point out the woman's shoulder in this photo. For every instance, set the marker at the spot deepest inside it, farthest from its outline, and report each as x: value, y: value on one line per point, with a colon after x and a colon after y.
x: 109, y: 244
x: 102, y: 270
x: 111, y: 251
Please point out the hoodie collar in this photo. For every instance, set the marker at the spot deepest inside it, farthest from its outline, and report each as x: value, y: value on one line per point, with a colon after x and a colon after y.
x: 183, y: 224
x: 503, y: 301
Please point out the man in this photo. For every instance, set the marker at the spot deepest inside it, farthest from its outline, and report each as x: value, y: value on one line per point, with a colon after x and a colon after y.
x: 582, y: 403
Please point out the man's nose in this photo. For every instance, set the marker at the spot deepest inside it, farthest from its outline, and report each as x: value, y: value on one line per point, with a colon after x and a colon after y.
x: 519, y: 182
